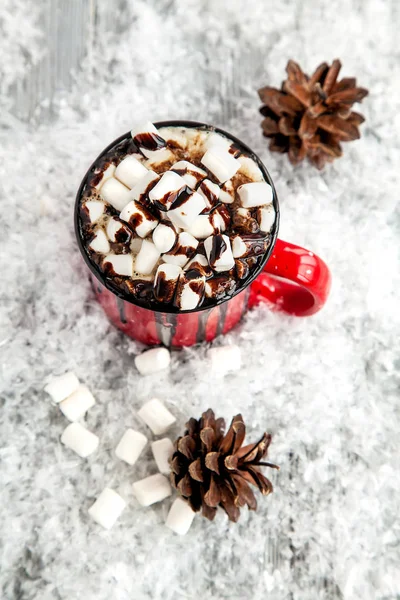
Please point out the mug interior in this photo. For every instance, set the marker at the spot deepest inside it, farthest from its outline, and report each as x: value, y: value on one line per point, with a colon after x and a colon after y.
x: 110, y: 285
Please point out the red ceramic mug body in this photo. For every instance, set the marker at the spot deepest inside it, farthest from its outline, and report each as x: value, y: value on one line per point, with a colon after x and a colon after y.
x: 289, y: 278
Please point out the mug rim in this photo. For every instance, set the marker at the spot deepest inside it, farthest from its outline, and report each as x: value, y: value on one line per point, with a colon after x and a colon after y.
x: 109, y: 285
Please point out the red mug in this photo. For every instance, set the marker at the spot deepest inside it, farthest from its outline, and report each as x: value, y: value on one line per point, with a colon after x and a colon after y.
x: 289, y: 278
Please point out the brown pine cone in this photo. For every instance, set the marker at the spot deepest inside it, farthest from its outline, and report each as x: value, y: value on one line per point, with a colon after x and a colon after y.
x: 211, y: 469
x: 311, y: 116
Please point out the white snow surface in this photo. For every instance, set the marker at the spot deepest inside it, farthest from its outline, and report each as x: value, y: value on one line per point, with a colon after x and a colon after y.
x: 325, y: 387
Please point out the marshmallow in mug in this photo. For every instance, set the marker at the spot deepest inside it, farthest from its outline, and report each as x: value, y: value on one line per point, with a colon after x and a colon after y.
x: 165, y: 282
x: 186, y: 208
x: 183, y: 250
x: 255, y: 194
x: 117, y: 231
x: 130, y: 171
x: 189, y: 172
x: 140, y: 219
x: 166, y: 190
x: 190, y: 290
x: 219, y: 252
x: 148, y: 139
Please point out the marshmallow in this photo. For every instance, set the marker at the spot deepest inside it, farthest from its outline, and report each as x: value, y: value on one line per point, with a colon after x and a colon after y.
x: 243, y: 221
x: 166, y: 190
x: 242, y: 268
x: 165, y: 282
x: 187, y: 206
x: 100, y: 242
x: 200, y: 263
x: 227, y: 193
x: 152, y: 489
x: 118, y: 231
x: 136, y: 244
x: 255, y: 194
x: 139, y: 218
x: 118, y: 264
x: 244, y: 246
x: 203, y: 226
x: 152, y: 361
x: 106, y: 174
x: 180, y: 517
x: 95, y: 209
x: 220, y: 286
x: 189, y: 172
x: 63, y: 386
x: 130, y: 171
x: 266, y: 218
x: 77, y: 404
x: 164, y: 237
x: 80, y: 440
x: 158, y: 157
x: 131, y: 446
x: 147, y: 138
x: 115, y: 193
x: 107, y: 508
x: 174, y: 137
x: 250, y: 168
x: 220, y: 163
x: 147, y: 258
x: 190, y: 290
x: 216, y: 140
x: 162, y: 452
x: 224, y: 217
x: 183, y: 250
x: 225, y: 359
x: 141, y: 189
x: 155, y: 414
x: 219, y: 252
x: 210, y: 192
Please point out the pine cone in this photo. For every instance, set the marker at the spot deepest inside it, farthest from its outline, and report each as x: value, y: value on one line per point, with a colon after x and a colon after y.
x: 211, y: 469
x: 310, y: 116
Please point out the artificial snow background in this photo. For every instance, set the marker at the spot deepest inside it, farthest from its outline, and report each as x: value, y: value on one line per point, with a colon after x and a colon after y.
x: 325, y: 387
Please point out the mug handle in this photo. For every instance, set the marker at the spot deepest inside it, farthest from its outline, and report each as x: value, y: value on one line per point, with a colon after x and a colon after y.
x: 294, y: 279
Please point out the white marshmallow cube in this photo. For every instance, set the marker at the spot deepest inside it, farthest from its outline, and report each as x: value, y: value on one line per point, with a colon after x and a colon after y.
x: 115, y: 193
x: 107, y: 508
x: 180, y: 517
x: 227, y: 193
x: 266, y: 218
x: 152, y: 489
x: 184, y: 248
x: 152, y: 361
x: 142, y: 187
x: 255, y: 194
x: 224, y: 260
x: 115, y: 230
x: 215, y: 140
x: 174, y: 135
x: 210, y: 192
x: 221, y: 164
x: 139, y: 218
x: 189, y: 172
x: 147, y: 258
x: 131, y: 446
x: 157, y: 157
x: 164, y: 237
x: 148, y: 139
x: 100, y: 242
x: 186, y: 212
x: 156, y: 416
x: 190, y: 290
x: 165, y: 282
x: 199, y: 262
x: 80, y: 440
x: 162, y: 452
x: 225, y: 359
x: 165, y: 191
x: 121, y: 264
x: 130, y: 171
x: 250, y: 168
x: 239, y: 248
x: 77, y: 404
x: 63, y: 386
x: 107, y: 173
x: 136, y: 244
x: 95, y: 209
x: 144, y: 127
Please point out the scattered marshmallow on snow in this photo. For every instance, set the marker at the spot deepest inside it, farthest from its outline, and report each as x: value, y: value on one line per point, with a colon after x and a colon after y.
x: 189, y: 172
x: 180, y: 517
x: 107, y: 174
x: 107, y: 508
x: 152, y: 361
x: 156, y: 415
x: 130, y: 171
x: 184, y: 211
x: 121, y: 264
x: 80, y: 440
x: 131, y: 446
x: 219, y: 252
x: 164, y: 192
x: 162, y: 452
x: 164, y: 237
x: 221, y: 164
x: 139, y: 218
x: 115, y: 193
x: 63, y: 386
x: 225, y: 359
x: 255, y: 194
x: 152, y: 489
x: 95, y: 209
x: 77, y: 404
x: 147, y: 258
x: 100, y: 242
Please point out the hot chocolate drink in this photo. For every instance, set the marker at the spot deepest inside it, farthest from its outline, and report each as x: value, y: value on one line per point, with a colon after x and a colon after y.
x: 178, y: 218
